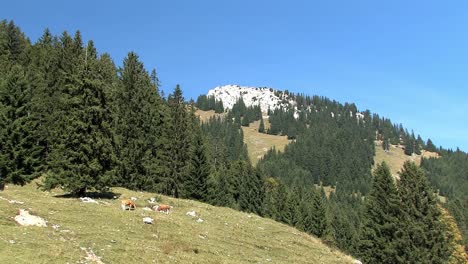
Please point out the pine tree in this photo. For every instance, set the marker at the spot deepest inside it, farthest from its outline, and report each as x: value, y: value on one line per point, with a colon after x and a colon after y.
x: 196, y: 184
x: 377, y: 242
x: 422, y: 235
x: 319, y: 219
x: 409, y: 146
x: 313, y: 211
x: 269, y: 204
x: 223, y: 194
x: 245, y: 121
x: 430, y: 146
x: 250, y: 186
x: 82, y: 158
x: 386, y: 144
x: 139, y: 127
x: 179, y: 151
x: 261, y: 127
x: 20, y: 155
x: 155, y: 80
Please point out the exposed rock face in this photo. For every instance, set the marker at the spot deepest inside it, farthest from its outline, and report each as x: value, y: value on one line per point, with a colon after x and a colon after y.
x: 263, y: 96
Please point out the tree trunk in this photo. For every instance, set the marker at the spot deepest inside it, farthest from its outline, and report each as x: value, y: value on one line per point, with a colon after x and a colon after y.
x: 81, y: 192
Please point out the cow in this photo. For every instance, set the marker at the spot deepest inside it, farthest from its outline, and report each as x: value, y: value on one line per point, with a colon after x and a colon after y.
x: 162, y: 208
x: 128, y: 204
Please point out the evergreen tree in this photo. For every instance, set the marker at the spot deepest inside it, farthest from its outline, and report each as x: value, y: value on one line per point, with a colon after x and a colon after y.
x: 422, y: 236
x: 269, y: 203
x: 377, y: 238
x: 251, y: 192
x: 20, y: 155
x: 409, y: 145
x: 179, y: 150
x: 386, y: 144
x: 155, y: 80
x: 261, y: 127
x: 313, y: 210
x: 319, y: 220
x: 223, y: 195
x: 430, y: 146
x: 245, y: 121
x: 139, y: 128
x: 82, y: 157
x: 196, y: 184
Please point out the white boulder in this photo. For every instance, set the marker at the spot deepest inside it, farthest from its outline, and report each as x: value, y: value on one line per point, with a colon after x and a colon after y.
x: 88, y: 200
x: 26, y: 219
x: 192, y: 214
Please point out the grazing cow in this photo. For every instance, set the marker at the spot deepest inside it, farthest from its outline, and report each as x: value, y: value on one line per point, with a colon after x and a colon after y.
x: 128, y: 204
x: 162, y: 208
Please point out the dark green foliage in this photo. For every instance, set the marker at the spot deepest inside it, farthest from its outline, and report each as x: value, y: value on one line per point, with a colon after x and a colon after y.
x: 343, y: 232
x: 81, y: 155
x: 196, y: 185
x: 139, y: 128
x: 249, y: 183
x: 330, y: 150
x: 421, y: 238
x: 430, y: 146
x: 409, y: 145
x: 261, y: 127
x: 226, y: 142
x: 313, y: 214
x: 449, y: 175
x: 378, y: 239
x: 244, y: 115
x: 223, y: 192
x: 386, y: 144
x: 206, y: 103
x: 179, y: 149
x: 20, y: 155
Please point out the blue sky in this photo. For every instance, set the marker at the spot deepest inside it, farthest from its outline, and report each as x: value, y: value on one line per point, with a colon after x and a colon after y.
x: 406, y: 60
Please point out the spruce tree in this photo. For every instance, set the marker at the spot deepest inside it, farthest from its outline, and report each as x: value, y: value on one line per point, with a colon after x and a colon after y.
x: 409, y: 145
x: 196, y: 184
x: 319, y: 219
x: 421, y: 236
x: 20, y: 155
x: 139, y: 127
x: 251, y: 189
x: 261, y: 127
x: 377, y: 242
x: 430, y: 146
x: 179, y: 151
x: 82, y: 158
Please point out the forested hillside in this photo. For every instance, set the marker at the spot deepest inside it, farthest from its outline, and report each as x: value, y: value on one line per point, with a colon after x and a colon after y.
x: 70, y: 115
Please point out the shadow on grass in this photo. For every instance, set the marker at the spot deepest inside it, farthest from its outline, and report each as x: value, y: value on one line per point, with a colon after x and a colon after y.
x: 94, y: 195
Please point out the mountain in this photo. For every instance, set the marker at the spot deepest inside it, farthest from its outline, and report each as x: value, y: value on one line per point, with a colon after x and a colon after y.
x: 81, y: 124
x: 265, y: 97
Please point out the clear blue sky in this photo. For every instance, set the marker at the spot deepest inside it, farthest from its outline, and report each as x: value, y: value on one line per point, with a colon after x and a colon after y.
x: 406, y: 60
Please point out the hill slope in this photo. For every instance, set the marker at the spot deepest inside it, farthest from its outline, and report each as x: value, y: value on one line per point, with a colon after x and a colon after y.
x: 395, y: 157
x: 116, y: 236
x: 259, y: 143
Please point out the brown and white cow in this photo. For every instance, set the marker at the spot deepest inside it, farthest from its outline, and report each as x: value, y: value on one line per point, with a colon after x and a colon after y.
x: 128, y: 204
x: 162, y: 208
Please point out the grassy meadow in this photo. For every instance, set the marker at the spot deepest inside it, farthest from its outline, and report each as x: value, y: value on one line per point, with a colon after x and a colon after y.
x: 116, y: 236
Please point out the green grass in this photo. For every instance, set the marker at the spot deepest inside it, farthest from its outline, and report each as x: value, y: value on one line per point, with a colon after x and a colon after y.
x: 225, y: 236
